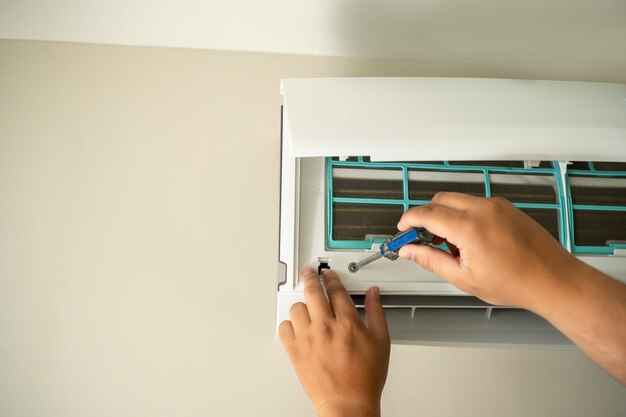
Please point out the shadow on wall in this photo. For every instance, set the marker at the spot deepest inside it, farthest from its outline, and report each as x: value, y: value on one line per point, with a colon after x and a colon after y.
x: 562, y: 39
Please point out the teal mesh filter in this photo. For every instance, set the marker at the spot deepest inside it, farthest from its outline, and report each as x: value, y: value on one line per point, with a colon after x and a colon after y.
x: 597, y: 206
x: 365, y: 199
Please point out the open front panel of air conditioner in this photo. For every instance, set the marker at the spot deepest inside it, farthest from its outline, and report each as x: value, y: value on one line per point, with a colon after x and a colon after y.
x: 347, y: 177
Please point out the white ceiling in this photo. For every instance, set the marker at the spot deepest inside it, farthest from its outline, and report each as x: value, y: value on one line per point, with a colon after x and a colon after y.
x: 535, y: 34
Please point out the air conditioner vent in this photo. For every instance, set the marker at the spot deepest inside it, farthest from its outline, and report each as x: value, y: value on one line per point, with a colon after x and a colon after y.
x: 462, y: 320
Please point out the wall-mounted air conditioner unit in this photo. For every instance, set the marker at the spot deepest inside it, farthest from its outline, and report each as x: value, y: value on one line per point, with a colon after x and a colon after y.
x: 358, y: 152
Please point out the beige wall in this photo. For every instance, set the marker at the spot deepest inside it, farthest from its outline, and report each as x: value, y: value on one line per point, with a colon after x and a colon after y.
x: 128, y: 177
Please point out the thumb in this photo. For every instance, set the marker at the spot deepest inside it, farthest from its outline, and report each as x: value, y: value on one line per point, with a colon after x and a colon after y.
x: 375, y: 316
x: 434, y: 260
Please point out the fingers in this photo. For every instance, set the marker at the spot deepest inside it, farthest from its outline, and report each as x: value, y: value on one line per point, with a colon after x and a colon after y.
x: 375, y: 316
x: 299, y: 315
x: 433, y: 259
x: 286, y: 332
x: 440, y: 220
x: 340, y: 301
x: 288, y: 338
x: 316, y: 301
x: 453, y: 200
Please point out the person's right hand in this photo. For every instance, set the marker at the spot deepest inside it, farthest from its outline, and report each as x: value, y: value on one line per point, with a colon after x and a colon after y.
x: 505, y: 257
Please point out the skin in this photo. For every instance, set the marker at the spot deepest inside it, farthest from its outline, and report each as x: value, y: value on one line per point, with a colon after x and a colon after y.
x: 500, y: 256
x: 340, y: 361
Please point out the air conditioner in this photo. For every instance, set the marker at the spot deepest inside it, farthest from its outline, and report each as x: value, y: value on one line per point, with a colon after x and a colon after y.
x: 357, y: 152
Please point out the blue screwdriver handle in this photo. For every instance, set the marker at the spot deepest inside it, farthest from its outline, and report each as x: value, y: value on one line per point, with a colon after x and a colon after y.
x: 416, y: 235
x: 390, y: 247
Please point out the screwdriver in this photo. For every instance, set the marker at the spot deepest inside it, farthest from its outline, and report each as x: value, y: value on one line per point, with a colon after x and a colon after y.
x: 390, y: 247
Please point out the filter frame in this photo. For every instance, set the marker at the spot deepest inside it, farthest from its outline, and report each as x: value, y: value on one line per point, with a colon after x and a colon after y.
x: 440, y: 166
x: 591, y: 172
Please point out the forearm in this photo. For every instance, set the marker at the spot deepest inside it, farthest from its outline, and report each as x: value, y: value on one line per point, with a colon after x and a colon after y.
x: 590, y: 308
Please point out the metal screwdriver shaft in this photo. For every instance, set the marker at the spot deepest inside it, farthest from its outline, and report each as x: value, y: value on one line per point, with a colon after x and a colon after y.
x: 355, y: 266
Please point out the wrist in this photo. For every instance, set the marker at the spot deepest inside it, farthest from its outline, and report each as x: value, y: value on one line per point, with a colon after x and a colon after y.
x: 562, y: 287
x: 349, y: 410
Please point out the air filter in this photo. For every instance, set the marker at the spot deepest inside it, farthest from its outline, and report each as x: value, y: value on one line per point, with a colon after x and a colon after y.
x: 366, y: 199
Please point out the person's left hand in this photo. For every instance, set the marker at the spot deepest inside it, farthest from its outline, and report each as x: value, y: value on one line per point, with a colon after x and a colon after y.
x: 341, y: 362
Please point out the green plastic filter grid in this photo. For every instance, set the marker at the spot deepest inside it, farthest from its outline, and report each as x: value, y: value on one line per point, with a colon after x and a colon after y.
x: 592, y: 172
x: 406, y: 202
